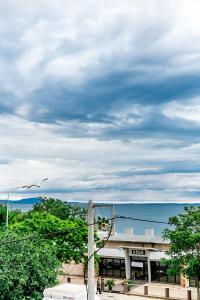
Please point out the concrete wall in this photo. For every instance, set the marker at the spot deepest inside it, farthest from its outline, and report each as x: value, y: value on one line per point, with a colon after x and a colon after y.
x: 116, y: 244
x: 73, y: 269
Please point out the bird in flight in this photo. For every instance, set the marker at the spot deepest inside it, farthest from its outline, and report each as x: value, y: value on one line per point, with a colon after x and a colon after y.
x: 29, y: 186
x: 33, y: 185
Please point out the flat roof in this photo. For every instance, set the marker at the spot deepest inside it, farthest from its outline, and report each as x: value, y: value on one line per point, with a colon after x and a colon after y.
x: 137, y: 248
x: 125, y: 237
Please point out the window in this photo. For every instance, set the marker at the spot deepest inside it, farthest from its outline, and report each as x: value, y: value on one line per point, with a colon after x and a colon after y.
x: 112, y: 267
x: 159, y: 273
x: 138, y: 252
x: 193, y: 282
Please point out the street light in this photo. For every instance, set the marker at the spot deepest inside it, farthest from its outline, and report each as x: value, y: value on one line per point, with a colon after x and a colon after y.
x: 21, y: 187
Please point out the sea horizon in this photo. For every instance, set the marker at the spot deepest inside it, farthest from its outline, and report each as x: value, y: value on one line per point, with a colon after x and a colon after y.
x: 154, y: 211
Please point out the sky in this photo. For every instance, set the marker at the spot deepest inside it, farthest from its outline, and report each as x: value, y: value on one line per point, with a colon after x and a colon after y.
x: 102, y: 97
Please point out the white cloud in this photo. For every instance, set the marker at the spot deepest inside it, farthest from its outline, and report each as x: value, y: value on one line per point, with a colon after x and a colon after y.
x: 74, y: 43
x: 186, y: 110
x: 87, y: 166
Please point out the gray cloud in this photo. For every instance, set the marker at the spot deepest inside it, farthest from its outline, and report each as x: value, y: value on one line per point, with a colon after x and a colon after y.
x: 101, y: 97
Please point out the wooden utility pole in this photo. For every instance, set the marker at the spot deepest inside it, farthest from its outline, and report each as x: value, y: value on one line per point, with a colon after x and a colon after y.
x: 91, y: 283
x: 91, y: 272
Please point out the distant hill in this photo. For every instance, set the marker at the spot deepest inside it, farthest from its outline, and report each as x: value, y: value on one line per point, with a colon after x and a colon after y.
x: 22, y: 201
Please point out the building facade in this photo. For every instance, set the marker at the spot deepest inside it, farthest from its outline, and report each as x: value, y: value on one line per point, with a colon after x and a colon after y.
x: 127, y: 255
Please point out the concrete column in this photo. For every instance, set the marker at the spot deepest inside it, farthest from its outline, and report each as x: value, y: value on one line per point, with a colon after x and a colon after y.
x: 189, y: 295
x: 146, y: 292
x: 149, y: 269
x: 127, y: 264
x: 91, y: 284
x: 166, y: 292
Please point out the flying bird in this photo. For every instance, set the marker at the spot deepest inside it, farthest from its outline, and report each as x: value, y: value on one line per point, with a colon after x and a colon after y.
x: 45, y: 179
x: 29, y: 186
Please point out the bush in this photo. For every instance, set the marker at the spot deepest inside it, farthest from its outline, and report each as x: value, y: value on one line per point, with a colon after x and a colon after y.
x: 130, y: 283
x: 110, y: 284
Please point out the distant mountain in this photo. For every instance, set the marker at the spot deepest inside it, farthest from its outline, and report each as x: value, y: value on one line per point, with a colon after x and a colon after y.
x: 23, y: 201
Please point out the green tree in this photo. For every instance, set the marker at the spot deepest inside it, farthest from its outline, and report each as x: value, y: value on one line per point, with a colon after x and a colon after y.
x: 68, y: 237
x: 13, y: 215
x: 103, y: 223
x: 26, y: 267
x: 184, y: 237
x: 60, y: 209
x: 2, y: 215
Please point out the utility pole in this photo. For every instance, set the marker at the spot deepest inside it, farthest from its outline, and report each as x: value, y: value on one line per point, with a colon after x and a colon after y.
x: 90, y: 251
x: 91, y: 273
x: 113, y: 220
x: 7, y: 211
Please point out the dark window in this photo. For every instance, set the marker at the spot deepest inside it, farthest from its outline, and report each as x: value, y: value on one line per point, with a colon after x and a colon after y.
x: 139, y: 268
x: 193, y: 282
x: 112, y: 267
x: 159, y: 273
x: 138, y: 252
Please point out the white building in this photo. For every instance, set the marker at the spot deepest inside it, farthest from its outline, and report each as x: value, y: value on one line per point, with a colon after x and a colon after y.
x: 127, y: 255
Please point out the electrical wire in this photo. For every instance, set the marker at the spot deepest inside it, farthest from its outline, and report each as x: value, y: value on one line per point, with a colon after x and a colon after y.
x: 110, y: 232
x: 133, y: 219
x: 142, y: 220
x: 38, y: 236
x: 77, y: 227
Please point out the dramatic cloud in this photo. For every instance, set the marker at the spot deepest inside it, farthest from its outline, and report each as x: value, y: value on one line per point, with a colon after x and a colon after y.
x: 102, y: 98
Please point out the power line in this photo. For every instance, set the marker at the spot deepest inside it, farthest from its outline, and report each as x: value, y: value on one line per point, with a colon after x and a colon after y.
x: 142, y: 220
x: 118, y: 217
x: 78, y: 227
x: 38, y: 236
x: 66, y: 230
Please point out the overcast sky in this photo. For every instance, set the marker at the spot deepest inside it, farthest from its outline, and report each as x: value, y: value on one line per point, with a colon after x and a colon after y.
x: 102, y: 97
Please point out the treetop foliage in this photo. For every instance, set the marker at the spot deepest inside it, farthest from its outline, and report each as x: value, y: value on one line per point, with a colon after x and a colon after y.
x: 26, y: 267
x: 184, y: 237
x: 60, y: 209
x: 69, y: 240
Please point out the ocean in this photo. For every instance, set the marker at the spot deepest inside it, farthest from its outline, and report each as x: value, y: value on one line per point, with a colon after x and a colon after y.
x: 151, y: 211
x: 154, y: 212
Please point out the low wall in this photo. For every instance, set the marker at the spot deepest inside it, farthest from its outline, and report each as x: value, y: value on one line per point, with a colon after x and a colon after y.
x: 73, y: 269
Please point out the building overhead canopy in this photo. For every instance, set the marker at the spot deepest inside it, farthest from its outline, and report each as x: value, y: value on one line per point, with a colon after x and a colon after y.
x: 109, y: 252
x: 157, y: 256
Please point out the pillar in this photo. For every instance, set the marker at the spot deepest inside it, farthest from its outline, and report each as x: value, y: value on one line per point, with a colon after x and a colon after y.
x: 146, y: 290
x: 127, y: 264
x: 189, y: 295
x: 166, y: 292
x: 149, y: 269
